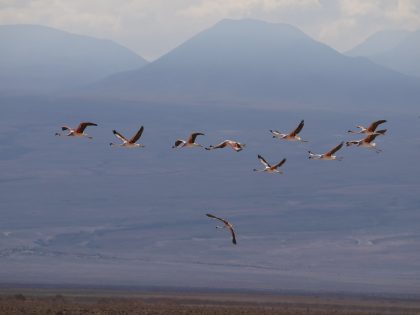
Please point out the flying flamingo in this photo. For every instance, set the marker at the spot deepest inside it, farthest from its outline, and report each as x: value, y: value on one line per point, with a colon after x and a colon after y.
x: 292, y: 136
x: 371, y: 129
x: 366, y: 142
x: 129, y: 143
x: 233, y: 144
x: 189, y: 143
x: 327, y: 155
x: 77, y: 132
x: 226, y: 225
x: 268, y: 168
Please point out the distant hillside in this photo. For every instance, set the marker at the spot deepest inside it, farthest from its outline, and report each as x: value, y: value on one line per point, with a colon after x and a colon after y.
x: 378, y: 43
x: 39, y: 59
x: 255, y: 61
x: 404, y: 57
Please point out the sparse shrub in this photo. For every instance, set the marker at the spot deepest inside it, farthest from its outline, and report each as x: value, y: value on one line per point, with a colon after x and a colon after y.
x: 19, y: 297
x: 58, y: 298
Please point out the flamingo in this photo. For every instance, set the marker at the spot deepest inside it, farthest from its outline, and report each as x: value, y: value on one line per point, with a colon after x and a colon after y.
x: 226, y: 225
x: 189, y: 143
x: 129, y: 143
x: 371, y: 129
x: 268, y: 168
x: 366, y: 142
x: 327, y: 155
x: 233, y: 144
x: 293, y: 136
x: 77, y: 132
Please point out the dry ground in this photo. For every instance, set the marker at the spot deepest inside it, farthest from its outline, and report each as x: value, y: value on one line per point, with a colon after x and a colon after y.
x: 47, y: 302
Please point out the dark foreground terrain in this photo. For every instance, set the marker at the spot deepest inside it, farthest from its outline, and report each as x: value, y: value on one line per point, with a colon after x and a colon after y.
x: 83, y: 302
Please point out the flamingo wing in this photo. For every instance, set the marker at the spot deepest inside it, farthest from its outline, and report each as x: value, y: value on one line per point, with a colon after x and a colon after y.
x: 191, y: 138
x: 137, y: 135
x: 82, y: 126
x: 221, y: 145
x: 372, y: 126
x: 119, y: 136
x: 279, y: 163
x: 335, y: 149
x: 298, y: 129
x: 232, y: 231
x: 263, y: 161
x: 370, y: 138
x: 217, y: 218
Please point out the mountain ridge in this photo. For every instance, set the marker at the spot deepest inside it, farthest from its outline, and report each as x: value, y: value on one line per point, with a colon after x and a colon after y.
x: 41, y: 59
x: 258, y: 61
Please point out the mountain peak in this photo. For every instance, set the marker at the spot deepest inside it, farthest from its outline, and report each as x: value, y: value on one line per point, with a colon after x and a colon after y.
x: 257, y: 26
x: 236, y: 40
x: 252, y: 22
x: 379, y: 42
x: 396, y: 49
x: 255, y: 61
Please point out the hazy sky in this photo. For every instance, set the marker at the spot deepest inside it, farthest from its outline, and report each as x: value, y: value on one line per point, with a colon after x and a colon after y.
x: 153, y: 27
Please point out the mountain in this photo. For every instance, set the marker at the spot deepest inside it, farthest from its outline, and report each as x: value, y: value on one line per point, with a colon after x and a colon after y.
x: 397, y: 50
x: 404, y: 57
x: 39, y: 59
x: 254, y: 61
x: 378, y: 43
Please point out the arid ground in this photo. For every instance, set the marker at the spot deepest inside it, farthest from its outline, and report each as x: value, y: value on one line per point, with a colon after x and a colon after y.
x: 49, y: 301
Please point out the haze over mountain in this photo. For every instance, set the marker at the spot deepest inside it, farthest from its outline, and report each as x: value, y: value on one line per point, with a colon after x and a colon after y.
x: 379, y: 42
x: 39, y: 59
x: 404, y: 57
x: 255, y: 61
